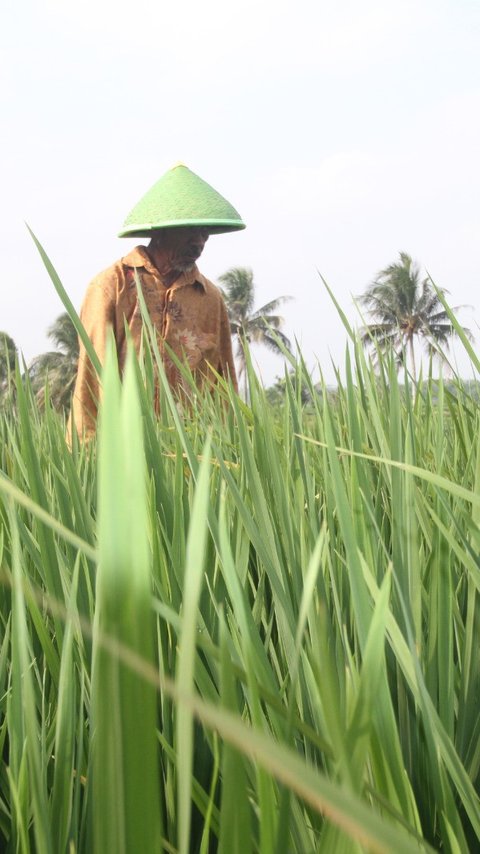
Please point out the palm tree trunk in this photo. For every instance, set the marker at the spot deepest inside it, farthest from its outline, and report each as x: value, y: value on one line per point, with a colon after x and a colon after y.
x: 412, y: 358
x: 242, y: 368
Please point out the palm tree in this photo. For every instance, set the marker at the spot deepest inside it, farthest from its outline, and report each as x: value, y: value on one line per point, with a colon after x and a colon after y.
x: 57, y: 368
x: 8, y: 354
x: 249, y: 325
x: 404, y: 307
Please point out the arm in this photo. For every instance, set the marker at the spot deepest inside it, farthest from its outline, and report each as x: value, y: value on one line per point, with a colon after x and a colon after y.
x: 97, y: 315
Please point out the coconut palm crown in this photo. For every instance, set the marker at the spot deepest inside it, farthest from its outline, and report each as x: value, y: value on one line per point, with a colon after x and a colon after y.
x: 403, y: 307
x: 58, y: 367
x: 247, y: 324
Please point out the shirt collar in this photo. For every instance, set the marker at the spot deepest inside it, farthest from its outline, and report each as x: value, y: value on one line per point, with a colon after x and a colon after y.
x: 139, y: 257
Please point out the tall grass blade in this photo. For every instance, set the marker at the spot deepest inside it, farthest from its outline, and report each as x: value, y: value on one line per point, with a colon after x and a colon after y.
x: 124, y: 710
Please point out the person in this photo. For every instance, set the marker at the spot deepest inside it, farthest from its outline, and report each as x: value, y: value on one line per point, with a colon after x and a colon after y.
x: 187, y: 311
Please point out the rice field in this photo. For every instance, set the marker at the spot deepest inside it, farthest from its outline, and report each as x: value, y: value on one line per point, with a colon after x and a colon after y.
x: 242, y: 629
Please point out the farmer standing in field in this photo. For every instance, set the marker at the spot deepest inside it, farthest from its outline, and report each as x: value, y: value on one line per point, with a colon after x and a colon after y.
x: 187, y: 311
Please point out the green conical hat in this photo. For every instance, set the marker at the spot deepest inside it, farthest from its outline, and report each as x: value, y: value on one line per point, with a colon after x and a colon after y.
x: 181, y: 198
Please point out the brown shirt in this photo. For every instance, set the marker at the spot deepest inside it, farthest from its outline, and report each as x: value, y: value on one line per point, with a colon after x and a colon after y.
x: 190, y: 316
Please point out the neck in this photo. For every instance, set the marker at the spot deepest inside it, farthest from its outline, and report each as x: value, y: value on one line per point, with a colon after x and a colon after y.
x: 160, y: 260
x: 169, y: 277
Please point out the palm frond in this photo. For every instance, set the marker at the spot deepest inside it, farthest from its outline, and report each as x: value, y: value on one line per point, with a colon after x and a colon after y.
x: 271, y: 342
x: 238, y: 290
x: 402, y: 306
x: 260, y: 326
x: 271, y: 306
x: 64, y: 335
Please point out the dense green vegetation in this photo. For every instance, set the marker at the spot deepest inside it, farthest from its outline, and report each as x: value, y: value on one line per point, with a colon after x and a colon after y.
x: 241, y: 626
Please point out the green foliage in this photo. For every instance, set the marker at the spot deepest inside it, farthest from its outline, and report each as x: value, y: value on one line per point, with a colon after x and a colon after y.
x: 126, y: 814
x: 54, y: 373
x: 249, y: 325
x: 8, y: 357
x: 404, y: 307
x: 238, y: 629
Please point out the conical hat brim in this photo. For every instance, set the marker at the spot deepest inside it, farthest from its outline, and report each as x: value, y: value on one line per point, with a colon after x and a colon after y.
x: 181, y: 198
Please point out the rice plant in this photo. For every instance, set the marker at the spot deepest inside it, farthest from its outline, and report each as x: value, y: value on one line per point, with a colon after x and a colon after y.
x: 242, y: 629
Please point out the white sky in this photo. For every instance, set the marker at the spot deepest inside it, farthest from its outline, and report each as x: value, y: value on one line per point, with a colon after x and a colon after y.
x: 344, y: 131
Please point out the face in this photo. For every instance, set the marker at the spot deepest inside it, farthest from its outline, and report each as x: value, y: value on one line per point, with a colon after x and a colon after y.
x: 181, y: 246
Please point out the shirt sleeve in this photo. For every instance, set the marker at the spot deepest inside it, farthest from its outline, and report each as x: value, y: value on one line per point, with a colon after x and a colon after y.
x: 98, y: 316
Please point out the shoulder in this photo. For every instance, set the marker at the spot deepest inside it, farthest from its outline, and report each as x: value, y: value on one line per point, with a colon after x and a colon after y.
x: 110, y: 282
x: 103, y: 286
x: 116, y: 271
x: 211, y: 290
x: 109, y: 274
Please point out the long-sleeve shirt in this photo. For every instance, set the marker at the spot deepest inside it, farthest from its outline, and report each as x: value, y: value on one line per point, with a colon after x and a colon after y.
x: 190, y: 316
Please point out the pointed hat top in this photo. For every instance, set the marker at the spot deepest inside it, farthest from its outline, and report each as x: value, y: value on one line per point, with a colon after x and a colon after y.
x: 181, y: 198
